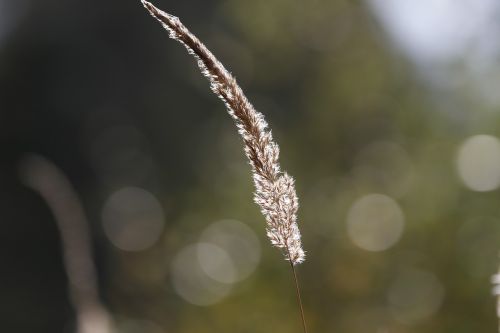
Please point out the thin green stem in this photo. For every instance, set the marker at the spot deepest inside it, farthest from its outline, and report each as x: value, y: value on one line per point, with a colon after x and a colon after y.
x: 299, y: 299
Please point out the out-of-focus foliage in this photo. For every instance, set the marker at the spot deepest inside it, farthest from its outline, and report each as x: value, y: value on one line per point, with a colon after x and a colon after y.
x: 397, y: 172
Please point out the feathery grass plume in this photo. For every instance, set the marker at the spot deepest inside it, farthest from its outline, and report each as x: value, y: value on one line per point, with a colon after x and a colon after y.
x: 275, y: 190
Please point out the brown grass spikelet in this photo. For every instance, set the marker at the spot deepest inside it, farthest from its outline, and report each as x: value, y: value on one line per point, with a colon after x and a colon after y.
x: 274, y: 189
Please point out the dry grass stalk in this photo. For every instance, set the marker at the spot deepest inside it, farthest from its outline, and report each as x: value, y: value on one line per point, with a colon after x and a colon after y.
x: 495, y: 280
x: 275, y: 190
x: 52, y: 185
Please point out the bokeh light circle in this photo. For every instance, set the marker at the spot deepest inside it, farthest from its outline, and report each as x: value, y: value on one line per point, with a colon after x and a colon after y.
x: 133, y: 219
x: 241, y: 244
x: 478, y: 163
x: 415, y: 295
x: 191, y: 282
x: 216, y: 263
x: 375, y: 222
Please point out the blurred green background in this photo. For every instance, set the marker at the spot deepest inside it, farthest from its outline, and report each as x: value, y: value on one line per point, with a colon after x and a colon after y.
x: 386, y: 112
